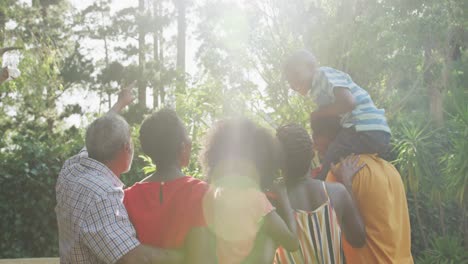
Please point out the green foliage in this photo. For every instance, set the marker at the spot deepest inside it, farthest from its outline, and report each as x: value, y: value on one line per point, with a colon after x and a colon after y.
x: 400, y: 51
x: 444, y: 250
x: 454, y: 161
x: 29, y: 166
x: 150, y: 167
x: 414, y: 143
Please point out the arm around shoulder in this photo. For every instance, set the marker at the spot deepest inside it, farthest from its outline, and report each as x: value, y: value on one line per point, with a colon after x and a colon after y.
x: 147, y: 255
x: 352, y: 223
x: 280, y: 232
x: 200, y: 247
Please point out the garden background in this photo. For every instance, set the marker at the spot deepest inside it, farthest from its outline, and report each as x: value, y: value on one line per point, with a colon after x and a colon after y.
x: 211, y: 59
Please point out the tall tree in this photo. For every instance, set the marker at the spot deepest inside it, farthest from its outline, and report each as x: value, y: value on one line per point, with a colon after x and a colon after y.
x: 181, y: 6
x: 94, y: 22
x: 2, y: 24
x: 160, y: 21
x: 157, y: 61
x: 141, y: 55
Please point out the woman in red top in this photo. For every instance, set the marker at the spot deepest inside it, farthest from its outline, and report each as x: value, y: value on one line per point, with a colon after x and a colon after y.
x: 165, y: 208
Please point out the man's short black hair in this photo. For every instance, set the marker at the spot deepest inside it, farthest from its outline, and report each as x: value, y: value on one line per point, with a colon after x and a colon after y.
x: 241, y: 139
x: 325, y: 127
x: 162, y: 135
x: 297, y: 149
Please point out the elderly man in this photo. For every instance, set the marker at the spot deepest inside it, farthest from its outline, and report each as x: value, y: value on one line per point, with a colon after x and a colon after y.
x: 93, y: 224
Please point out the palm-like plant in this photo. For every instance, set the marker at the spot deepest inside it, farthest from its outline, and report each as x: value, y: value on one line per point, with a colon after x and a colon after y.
x: 415, y: 148
x: 454, y: 162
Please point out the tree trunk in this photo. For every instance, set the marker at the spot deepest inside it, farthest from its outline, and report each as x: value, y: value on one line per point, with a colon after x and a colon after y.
x: 435, y: 96
x: 181, y: 36
x: 463, y: 224
x: 141, y: 58
x: 106, y: 50
x: 2, y: 26
x: 347, y: 12
x: 100, y: 101
x: 162, y: 70
x: 436, y: 104
x: 156, y: 54
x: 442, y: 219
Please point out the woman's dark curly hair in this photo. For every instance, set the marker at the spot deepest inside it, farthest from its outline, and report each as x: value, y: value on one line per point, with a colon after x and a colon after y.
x: 297, y: 150
x: 241, y: 139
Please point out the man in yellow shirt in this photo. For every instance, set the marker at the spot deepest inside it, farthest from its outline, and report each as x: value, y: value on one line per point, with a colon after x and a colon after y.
x: 379, y: 192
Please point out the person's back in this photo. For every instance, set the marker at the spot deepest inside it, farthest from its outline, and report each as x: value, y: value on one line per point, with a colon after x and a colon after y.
x: 166, y: 207
x: 319, y: 208
x: 235, y: 212
x: 163, y: 213
x: 318, y: 227
x: 381, y: 198
x: 93, y: 223
x: 237, y: 155
x: 85, y: 188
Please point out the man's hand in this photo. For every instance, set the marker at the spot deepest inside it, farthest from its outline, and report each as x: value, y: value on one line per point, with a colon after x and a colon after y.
x: 125, y: 98
x: 4, y: 75
x: 346, y: 169
x: 314, y: 116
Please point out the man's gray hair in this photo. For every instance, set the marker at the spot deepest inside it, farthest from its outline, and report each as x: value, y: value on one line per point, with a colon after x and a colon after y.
x: 299, y: 59
x: 106, y: 136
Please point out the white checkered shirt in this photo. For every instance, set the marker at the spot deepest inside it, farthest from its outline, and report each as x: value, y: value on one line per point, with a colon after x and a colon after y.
x: 93, y: 224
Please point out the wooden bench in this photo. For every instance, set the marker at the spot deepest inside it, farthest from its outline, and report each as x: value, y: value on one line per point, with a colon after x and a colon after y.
x: 31, y: 261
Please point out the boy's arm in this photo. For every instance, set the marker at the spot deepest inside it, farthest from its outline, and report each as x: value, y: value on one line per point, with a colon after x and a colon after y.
x: 344, y: 103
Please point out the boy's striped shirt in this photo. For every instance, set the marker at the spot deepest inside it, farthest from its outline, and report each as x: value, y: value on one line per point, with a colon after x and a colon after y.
x: 365, y: 116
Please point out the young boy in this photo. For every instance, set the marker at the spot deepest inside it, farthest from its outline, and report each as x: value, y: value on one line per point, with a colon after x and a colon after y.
x: 364, y: 126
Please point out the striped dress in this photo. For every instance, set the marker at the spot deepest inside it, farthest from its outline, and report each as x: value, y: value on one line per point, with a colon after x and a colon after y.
x: 319, y: 235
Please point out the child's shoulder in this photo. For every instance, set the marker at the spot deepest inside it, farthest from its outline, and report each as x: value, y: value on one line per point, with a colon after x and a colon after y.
x: 327, y: 69
x: 331, y: 72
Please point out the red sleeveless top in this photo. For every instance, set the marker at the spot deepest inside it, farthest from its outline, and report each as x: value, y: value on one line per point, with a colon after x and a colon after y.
x: 164, y: 212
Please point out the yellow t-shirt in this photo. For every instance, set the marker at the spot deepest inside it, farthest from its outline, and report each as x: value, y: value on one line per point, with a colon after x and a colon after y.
x: 381, y: 199
x: 234, y: 211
